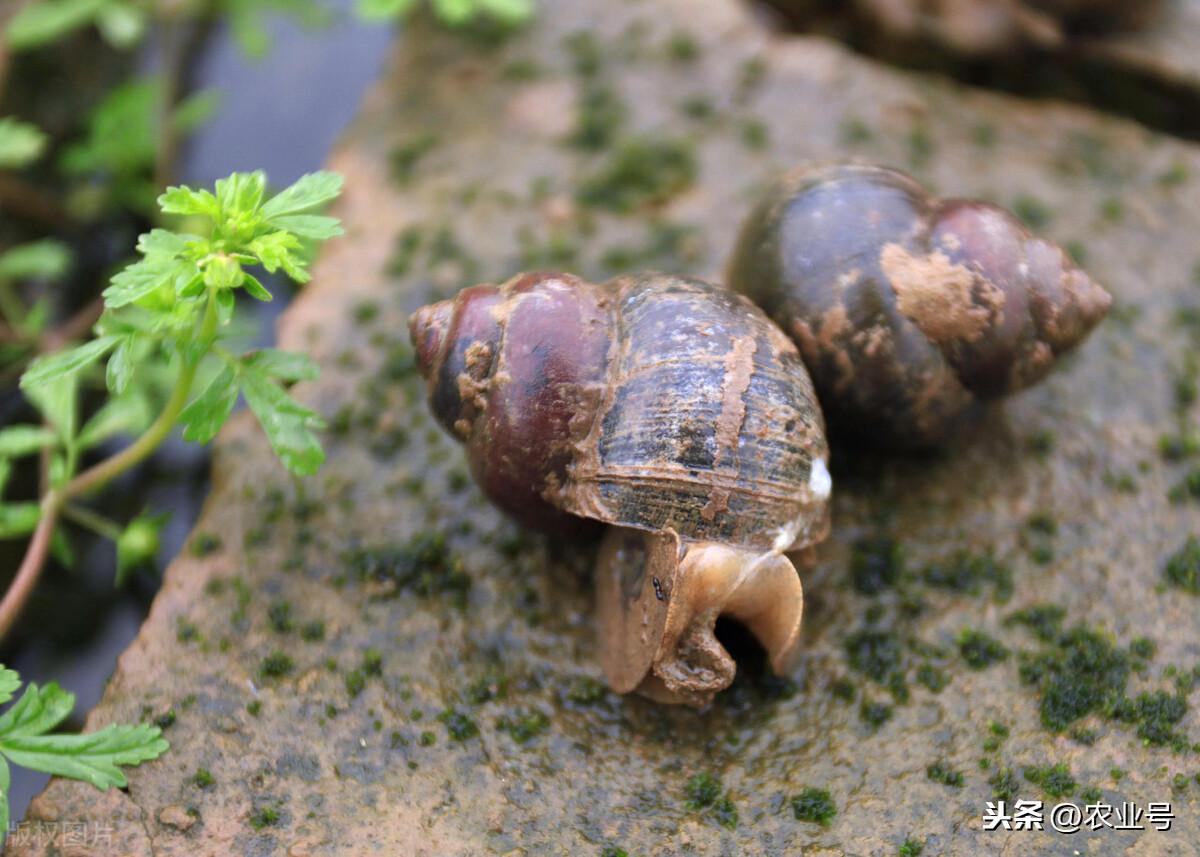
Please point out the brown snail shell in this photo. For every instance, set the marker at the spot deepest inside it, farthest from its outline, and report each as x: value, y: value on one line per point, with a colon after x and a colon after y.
x: 671, y: 410
x: 907, y: 308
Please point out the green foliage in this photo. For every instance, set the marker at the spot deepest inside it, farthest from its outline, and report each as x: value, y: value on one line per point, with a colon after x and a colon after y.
x: 453, y: 13
x: 95, y: 758
x: 165, y: 321
x: 122, y: 23
x: 121, y: 143
x: 814, y: 805
x: 20, y: 143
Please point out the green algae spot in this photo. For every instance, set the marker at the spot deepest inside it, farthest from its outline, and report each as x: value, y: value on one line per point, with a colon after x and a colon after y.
x: 458, y: 725
x: 815, y: 805
x: 1045, y: 620
x: 876, y: 564
x: 980, y: 650
x: 702, y: 790
x: 276, y: 665
x: 524, y: 727
x: 911, y: 847
x: 942, y: 773
x: 641, y: 171
x: 875, y: 714
x: 1055, y: 780
x: 1004, y: 784
x: 1183, y: 567
x: 969, y: 573
x: 424, y: 565
x: 874, y: 653
x: 600, y: 116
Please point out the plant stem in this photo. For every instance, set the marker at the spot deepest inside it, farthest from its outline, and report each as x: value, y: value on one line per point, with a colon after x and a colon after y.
x: 93, y: 521
x: 100, y: 474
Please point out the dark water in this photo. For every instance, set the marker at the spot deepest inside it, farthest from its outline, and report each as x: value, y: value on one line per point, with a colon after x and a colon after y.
x: 281, y: 113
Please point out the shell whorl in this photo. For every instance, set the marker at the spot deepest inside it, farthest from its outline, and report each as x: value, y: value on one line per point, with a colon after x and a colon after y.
x: 906, y: 307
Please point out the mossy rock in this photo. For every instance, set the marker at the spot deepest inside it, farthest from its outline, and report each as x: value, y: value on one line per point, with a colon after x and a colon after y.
x: 432, y: 686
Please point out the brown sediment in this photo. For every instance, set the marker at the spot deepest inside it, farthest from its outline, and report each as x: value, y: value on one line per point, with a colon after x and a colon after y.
x: 936, y: 294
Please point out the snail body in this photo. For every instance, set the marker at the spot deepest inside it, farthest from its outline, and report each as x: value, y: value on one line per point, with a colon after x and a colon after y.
x: 907, y: 308
x: 672, y: 411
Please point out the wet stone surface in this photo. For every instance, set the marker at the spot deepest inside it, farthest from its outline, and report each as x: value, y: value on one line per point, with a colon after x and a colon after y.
x: 374, y: 661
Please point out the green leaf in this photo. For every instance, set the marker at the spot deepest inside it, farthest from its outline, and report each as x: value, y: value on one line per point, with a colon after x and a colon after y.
x: 38, y: 24
x: 454, y: 12
x: 20, y: 143
x: 38, y: 710
x: 308, y: 192
x: 16, y: 441
x: 241, y: 193
x: 94, y: 758
x: 121, y: 24
x: 5, y: 782
x: 508, y: 11
x: 138, y: 545
x: 48, y: 258
x: 286, y: 422
x: 315, y: 226
x: 184, y: 200
x: 10, y: 683
x: 18, y: 519
x: 60, y: 549
x: 382, y: 10
x: 256, y: 289
x: 222, y: 272
x: 195, y: 110
x: 45, y: 369
x: 141, y: 278
x: 5, y: 472
x: 119, y: 370
x: 121, y: 415
x: 58, y: 403
x: 205, y: 415
x: 274, y: 250
x: 286, y: 366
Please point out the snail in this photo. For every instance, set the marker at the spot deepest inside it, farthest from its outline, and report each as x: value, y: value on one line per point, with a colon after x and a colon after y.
x: 670, y: 410
x: 908, y: 309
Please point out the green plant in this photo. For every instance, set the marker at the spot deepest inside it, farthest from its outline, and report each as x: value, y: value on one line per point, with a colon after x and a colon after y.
x: 453, y: 13
x: 163, y: 332
x: 95, y: 758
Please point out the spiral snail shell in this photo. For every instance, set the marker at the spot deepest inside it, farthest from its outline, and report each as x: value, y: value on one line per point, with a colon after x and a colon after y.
x: 671, y: 410
x: 907, y: 308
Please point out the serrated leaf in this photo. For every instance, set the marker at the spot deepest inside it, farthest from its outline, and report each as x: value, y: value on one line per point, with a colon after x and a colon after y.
x: 184, y: 200
x: 286, y: 423
x: 18, y: 519
x: 121, y: 415
x: 204, y: 415
x: 18, y: 441
x: 164, y: 242
x: 315, y: 226
x: 94, y: 758
x: 48, y: 258
x: 38, y: 24
x: 241, y: 193
x: 119, y: 370
x: 305, y: 194
x: 38, y: 710
x: 273, y: 249
x: 10, y: 683
x: 64, y: 363
x: 141, y: 278
x: 288, y: 366
x: 256, y: 289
